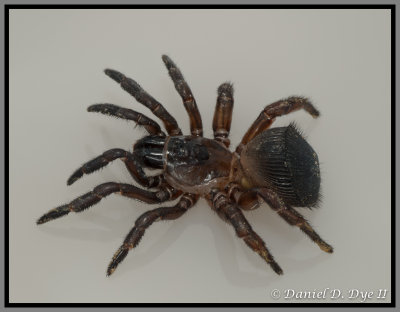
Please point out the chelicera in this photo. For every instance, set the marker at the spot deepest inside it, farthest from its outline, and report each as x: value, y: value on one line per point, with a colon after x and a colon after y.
x: 276, y: 166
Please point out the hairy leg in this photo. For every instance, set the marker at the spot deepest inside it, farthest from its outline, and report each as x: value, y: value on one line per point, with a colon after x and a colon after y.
x: 270, y: 112
x: 196, y: 126
x: 144, y: 221
x: 120, y: 112
x: 223, y: 113
x: 83, y: 202
x: 229, y: 212
x: 134, y: 89
x: 132, y: 164
x: 292, y: 217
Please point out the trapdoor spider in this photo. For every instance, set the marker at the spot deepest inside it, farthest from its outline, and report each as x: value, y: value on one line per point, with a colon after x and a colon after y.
x: 276, y: 166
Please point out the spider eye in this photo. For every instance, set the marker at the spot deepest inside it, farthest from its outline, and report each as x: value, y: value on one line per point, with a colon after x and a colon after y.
x: 187, y: 152
x: 183, y: 152
x: 179, y: 149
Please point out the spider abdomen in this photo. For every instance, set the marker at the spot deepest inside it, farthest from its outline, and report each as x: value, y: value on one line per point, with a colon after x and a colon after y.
x: 281, y: 159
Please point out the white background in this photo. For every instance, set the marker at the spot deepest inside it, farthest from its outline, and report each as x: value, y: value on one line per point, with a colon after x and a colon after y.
x: 340, y: 59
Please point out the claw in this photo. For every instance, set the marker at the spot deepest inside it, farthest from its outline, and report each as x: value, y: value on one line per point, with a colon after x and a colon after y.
x: 117, y: 258
x: 54, y: 214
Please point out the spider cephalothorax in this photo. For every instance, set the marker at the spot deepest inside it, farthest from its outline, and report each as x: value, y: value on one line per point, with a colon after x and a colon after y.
x: 276, y: 165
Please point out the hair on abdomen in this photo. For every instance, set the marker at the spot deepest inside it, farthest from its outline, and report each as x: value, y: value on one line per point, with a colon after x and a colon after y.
x: 281, y: 159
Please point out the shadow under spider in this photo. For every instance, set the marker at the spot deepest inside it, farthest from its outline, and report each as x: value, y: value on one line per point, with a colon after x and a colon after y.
x: 224, y: 238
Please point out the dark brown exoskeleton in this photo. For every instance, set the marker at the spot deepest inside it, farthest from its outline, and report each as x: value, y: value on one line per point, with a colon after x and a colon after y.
x: 273, y: 165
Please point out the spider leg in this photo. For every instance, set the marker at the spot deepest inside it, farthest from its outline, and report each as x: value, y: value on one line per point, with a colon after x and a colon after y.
x: 229, y: 212
x: 120, y: 112
x: 134, y: 89
x: 196, y: 126
x: 132, y: 164
x: 292, y: 217
x: 223, y: 113
x: 83, y: 202
x: 270, y: 112
x: 144, y: 221
x: 245, y: 199
x: 250, y: 199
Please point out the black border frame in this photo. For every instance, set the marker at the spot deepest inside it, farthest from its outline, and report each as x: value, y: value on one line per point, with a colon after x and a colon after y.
x: 391, y: 7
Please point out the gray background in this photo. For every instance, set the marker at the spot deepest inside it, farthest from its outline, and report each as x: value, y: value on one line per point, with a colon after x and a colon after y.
x: 341, y: 59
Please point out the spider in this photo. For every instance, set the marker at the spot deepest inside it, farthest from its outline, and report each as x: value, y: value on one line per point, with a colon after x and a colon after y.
x: 276, y: 166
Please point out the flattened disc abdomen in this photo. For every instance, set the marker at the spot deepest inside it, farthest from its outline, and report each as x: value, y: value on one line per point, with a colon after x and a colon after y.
x: 281, y: 159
